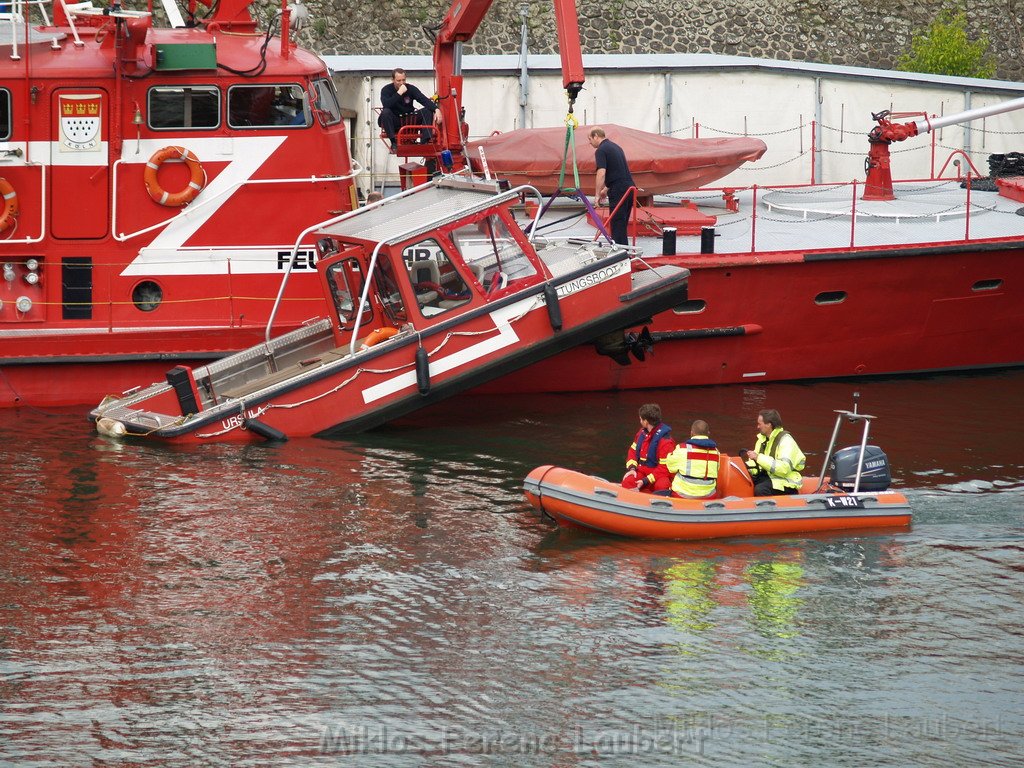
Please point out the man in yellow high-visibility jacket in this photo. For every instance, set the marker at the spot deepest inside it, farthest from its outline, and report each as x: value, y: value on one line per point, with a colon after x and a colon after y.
x: 776, y: 461
x: 694, y: 465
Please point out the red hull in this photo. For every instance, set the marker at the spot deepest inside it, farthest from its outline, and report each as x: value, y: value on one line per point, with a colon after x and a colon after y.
x: 760, y: 322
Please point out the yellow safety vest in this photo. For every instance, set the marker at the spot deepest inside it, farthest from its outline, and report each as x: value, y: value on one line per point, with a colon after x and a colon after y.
x: 779, y: 456
x: 694, y: 469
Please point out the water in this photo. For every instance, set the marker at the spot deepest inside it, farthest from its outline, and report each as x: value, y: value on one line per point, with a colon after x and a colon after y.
x: 393, y: 601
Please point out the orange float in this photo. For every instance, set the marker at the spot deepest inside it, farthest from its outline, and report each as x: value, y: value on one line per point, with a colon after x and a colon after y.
x: 856, y: 495
x: 10, y: 204
x: 378, y: 335
x: 575, y: 500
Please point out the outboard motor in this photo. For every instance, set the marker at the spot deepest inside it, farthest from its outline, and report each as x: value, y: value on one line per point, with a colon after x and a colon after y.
x: 875, y: 476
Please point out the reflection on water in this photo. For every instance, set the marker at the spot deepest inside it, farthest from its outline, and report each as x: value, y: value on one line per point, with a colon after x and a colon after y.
x: 392, y: 600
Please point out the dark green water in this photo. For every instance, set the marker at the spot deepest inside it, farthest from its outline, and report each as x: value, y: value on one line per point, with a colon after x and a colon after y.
x: 393, y: 601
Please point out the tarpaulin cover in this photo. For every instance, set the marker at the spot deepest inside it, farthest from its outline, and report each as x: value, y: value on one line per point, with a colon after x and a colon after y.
x: 659, y: 164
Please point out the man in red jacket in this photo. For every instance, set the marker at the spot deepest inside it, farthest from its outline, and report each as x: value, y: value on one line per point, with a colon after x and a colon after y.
x: 645, y: 461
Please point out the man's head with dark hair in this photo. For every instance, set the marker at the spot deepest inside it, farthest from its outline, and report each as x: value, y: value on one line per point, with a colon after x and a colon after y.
x: 651, y: 413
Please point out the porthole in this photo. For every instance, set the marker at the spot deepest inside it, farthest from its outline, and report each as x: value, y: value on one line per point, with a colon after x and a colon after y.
x: 830, y: 297
x: 987, y: 285
x: 691, y: 307
x: 147, y: 296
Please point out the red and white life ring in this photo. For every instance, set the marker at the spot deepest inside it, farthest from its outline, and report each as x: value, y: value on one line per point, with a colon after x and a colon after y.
x: 174, y: 199
x: 10, y: 204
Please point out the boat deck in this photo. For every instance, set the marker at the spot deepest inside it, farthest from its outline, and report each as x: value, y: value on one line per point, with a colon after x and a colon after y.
x: 829, y: 217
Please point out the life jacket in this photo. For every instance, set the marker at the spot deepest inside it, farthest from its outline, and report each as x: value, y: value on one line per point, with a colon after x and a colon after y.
x: 650, y: 460
x: 694, y: 465
x: 769, y: 446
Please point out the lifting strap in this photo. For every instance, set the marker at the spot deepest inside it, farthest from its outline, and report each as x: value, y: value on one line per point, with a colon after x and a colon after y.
x: 570, y: 144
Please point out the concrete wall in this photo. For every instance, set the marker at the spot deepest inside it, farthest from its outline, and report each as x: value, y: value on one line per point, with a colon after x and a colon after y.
x: 709, y: 96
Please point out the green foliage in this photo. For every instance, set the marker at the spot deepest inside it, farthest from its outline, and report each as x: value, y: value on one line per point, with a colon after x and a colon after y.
x: 945, y: 50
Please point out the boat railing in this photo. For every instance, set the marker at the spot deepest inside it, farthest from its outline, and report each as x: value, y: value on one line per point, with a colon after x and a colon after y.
x: 310, y: 230
x: 631, y: 194
x: 213, y: 197
x: 852, y: 416
x: 16, y: 14
x: 752, y: 215
x: 393, y: 237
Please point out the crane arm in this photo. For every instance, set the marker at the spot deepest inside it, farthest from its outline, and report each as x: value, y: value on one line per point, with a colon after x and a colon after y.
x: 573, y: 76
x: 459, y: 25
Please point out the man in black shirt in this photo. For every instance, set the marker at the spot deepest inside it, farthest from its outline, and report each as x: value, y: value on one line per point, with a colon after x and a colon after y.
x: 397, y: 99
x: 613, y: 180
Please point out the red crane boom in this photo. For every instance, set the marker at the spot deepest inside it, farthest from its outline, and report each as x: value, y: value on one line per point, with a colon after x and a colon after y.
x: 459, y: 25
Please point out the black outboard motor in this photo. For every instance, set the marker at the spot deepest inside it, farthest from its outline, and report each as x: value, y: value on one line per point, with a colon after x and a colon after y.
x: 875, y: 475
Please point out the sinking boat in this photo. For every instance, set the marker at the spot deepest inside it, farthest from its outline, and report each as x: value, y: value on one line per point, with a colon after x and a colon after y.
x: 854, y: 495
x: 431, y: 292
x: 658, y: 163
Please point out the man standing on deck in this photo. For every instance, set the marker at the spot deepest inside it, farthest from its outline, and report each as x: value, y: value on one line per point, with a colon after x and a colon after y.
x: 776, y: 461
x: 613, y: 181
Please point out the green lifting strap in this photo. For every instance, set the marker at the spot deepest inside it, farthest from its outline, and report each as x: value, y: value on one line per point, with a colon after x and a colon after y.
x: 570, y: 143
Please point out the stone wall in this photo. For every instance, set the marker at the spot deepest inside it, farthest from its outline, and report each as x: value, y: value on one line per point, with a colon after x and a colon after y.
x: 869, y: 33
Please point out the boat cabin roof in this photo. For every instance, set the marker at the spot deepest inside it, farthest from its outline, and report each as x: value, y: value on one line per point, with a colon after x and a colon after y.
x: 420, y: 210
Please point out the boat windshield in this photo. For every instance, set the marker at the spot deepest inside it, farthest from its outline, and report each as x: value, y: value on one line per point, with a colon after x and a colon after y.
x: 345, y: 280
x: 326, y: 101
x: 491, y: 251
x: 390, y: 296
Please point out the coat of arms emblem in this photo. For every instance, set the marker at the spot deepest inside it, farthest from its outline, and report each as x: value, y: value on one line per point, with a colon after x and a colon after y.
x: 80, y: 119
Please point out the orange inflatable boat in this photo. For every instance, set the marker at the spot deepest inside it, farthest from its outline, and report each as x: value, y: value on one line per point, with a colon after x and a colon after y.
x: 857, y: 496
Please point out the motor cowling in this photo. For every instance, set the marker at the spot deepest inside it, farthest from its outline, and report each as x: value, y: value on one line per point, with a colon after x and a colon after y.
x: 875, y: 476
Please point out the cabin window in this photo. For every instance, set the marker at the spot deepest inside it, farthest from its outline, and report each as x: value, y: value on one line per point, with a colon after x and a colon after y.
x: 390, y: 296
x: 147, y: 296
x: 345, y: 280
x: 195, y: 107
x: 490, y: 251
x: 5, y: 114
x: 327, y: 107
x: 437, y: 284
x: 268, y: 106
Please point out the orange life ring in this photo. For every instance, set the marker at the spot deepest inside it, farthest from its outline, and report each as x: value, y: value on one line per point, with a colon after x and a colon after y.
x: 378, y: 335
x: 10, y: 204
x: 174, y: 199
